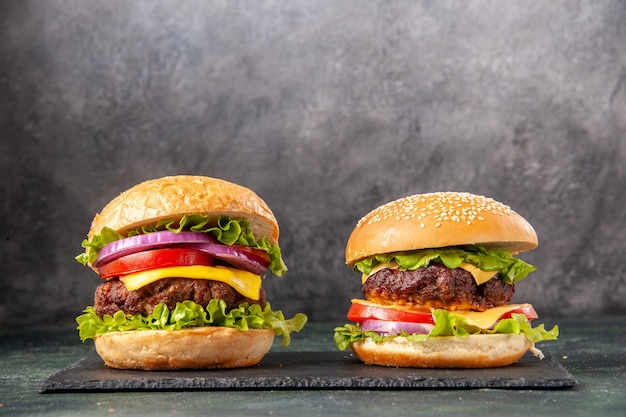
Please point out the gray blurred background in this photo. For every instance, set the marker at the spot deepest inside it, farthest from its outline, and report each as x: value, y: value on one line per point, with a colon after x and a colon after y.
x: 326, y: 109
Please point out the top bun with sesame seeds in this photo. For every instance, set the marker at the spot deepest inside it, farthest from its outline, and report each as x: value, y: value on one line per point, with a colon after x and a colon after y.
x: 438, y: 220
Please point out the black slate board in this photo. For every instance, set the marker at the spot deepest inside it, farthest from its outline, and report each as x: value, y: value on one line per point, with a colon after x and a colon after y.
x: 309, y: 370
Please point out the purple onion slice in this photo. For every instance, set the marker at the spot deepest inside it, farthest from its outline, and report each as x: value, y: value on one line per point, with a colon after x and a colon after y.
x: 389, y: 328
x: 192, y: 240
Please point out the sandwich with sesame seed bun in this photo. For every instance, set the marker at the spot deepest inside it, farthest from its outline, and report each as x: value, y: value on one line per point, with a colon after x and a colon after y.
x: 438, y: 274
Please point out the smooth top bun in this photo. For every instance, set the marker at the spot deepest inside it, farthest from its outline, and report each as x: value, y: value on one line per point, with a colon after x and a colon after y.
x: 437, y: 220
x: 173, y: 197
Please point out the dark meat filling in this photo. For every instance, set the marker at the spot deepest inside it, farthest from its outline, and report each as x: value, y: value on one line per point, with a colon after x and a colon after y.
x: 438, y: 287
x: 112, y: 296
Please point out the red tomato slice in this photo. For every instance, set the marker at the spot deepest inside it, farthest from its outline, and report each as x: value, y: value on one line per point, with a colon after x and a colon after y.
x: 152, y: 259
x: 359, y: 312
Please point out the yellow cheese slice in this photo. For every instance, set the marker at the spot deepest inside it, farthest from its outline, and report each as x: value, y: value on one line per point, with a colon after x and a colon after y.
x: 244, y: 282
x: 486, y: 319
x: 479, y: 275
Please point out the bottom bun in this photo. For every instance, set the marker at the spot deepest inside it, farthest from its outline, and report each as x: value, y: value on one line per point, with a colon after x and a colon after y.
x: 475, y: 351
x: 194, y: 348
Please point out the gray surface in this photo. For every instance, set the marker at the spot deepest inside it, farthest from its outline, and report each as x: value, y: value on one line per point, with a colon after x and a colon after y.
x: 310, y: 370
x: 326, y: 109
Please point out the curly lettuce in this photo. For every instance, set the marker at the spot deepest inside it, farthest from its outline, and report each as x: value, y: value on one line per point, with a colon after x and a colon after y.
x: 449, y: 324
x: 227, y: 231
x: 511, y: 269
x: 189, y: 314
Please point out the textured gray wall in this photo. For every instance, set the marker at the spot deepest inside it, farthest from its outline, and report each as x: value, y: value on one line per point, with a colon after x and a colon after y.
x: 326, y: 109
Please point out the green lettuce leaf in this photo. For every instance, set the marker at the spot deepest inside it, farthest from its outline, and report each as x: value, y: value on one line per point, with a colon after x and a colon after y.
x: 189, y: 314
x: 227, y: 231
x: 449, y: 324
x: 511, y: 269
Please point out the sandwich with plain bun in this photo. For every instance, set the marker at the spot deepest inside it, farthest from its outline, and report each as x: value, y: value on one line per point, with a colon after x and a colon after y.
x: 182, y: 261
x: 438, y: 274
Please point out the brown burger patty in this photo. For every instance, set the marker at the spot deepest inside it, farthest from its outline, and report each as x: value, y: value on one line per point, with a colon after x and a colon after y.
x: 438, y: 287
x: 112, y: 296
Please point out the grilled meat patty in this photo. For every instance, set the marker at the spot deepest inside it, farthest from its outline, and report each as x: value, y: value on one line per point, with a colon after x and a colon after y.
x: 112, y: 296
x: 438, y: 287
